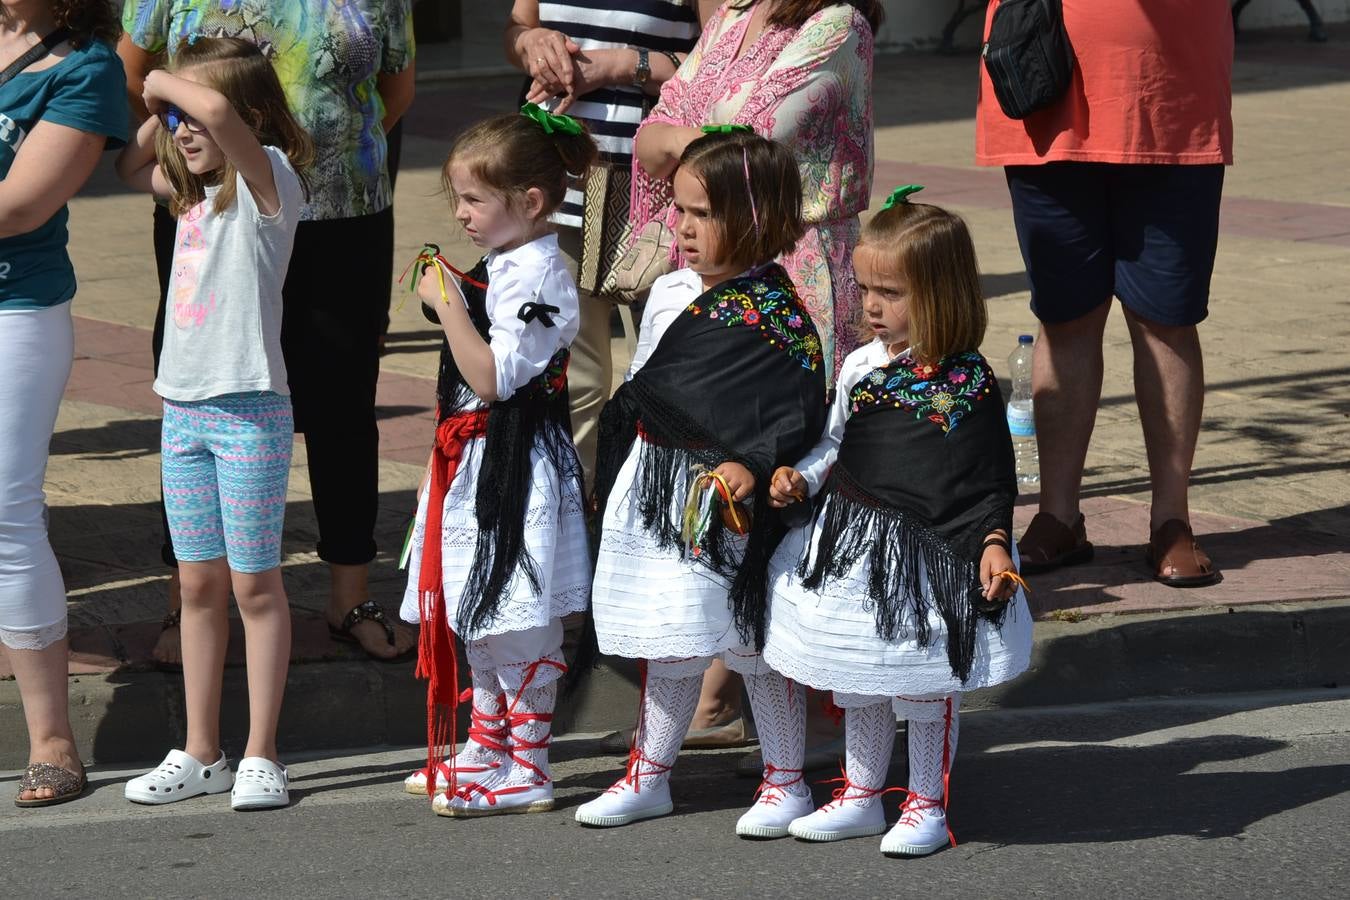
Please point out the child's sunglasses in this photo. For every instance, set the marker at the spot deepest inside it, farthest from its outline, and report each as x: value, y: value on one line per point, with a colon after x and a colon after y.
x: 173, y: 117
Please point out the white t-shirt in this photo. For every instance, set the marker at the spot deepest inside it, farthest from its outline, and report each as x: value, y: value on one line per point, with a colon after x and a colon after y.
x: 520, y: 280
x: 222, y: 333
x: 816, y: 464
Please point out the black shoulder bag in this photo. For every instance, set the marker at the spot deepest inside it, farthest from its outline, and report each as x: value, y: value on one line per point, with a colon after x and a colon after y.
x: 1028, y: 55
x: 35, y: 53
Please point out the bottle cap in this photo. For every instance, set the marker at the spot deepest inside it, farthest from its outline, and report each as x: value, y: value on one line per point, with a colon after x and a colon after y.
x: 1025, y: 339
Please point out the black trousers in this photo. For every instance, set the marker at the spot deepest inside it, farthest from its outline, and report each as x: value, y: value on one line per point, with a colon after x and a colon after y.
x: 335, y: 299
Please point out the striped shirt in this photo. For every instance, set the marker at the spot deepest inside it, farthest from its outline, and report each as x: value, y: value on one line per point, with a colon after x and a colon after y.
x: 614, y: 113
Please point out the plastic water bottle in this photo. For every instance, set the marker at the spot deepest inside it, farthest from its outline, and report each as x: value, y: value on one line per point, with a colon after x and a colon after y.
x: 1021, y: 419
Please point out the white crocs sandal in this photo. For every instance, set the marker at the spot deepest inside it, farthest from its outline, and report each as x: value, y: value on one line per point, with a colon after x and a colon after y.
x: 179, y: 777
x: 259, y: 783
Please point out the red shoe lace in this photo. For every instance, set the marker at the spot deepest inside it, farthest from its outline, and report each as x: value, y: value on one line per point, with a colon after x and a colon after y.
x: 514, y: 720
x: 482, y: 732
x: 770, y: 793
x: 911, y: 812
x: 634, y: 775
x: 840, y: 794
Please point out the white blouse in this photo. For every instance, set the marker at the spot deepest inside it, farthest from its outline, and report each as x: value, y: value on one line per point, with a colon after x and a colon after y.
x: 816, y: 464
x: 670, y: 295
x: 518, y: 280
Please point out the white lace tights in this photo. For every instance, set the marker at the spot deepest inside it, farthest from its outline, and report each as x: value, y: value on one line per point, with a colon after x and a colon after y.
x: 668, y: 706
x: 869, y: 735
x: 779, y: 706
x: 926, y: 740
x: 530, y: 715
x: 489, y: 705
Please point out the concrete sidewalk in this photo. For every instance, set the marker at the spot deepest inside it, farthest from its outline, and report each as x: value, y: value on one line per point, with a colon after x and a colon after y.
x: 1271, y: 495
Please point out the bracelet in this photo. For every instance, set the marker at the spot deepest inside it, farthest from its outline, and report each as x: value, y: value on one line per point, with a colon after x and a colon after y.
x: 998, y: 542
x: 670, y: 55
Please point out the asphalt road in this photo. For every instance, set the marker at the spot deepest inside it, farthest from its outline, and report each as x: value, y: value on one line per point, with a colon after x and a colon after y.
x: 1228, y: 796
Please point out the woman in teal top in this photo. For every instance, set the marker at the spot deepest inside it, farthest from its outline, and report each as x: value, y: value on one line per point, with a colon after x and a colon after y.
x: 56, y: 117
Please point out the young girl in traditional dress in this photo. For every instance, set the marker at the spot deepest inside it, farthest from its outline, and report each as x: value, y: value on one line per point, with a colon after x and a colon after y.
x: 224, y: 148
x: 727, y: 383
x: 900, y: 593
x: 499, y: 543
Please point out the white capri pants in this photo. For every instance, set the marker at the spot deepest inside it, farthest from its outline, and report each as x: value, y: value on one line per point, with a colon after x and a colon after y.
x: 37, y: 347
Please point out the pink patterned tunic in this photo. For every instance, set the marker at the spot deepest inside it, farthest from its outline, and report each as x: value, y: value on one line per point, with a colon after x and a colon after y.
x: 809, y: 88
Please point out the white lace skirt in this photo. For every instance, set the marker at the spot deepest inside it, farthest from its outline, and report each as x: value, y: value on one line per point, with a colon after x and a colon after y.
x: 828, y: 640
x: 555, y: 536
x: 649, y: 602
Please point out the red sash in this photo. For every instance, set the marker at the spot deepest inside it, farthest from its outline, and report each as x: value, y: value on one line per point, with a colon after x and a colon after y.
x: 436, y: 658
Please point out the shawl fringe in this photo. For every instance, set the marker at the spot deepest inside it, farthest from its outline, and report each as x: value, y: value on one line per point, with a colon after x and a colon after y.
x: 673, y: 446
x: 851, y: 525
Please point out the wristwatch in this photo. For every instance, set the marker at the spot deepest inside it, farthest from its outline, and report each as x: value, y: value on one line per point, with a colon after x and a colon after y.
x: 643, y: 73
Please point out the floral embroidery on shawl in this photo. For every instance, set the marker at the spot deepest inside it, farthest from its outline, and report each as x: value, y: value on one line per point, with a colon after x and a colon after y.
x: 771, y: 308
x: 944, y: 394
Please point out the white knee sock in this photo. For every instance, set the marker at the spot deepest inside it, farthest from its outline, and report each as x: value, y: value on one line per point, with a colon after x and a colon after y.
x: 668, y: 706
x: 927, y: 766
x: 779, y: 706
x: 869, y: 735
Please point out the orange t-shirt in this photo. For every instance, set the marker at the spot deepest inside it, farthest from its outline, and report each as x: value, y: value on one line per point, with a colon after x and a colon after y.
x: 1153, y: 84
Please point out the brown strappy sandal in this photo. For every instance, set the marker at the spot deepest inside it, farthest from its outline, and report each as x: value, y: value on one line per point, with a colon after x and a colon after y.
x: 1177, y: 560
x: 1049, y: 544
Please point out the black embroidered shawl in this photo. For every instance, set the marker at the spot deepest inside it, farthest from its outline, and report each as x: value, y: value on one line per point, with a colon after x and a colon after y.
x: 925, y: 472
x: 537, y: 410
x: 737, y: 376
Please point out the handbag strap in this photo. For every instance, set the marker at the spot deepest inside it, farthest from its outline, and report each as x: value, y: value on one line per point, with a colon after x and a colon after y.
x: 35, y: 53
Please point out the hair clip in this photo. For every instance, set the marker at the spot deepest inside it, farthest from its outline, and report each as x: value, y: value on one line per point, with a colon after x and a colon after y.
x: 733, y: 128
x: 901, y: 195
x: 548, y: 121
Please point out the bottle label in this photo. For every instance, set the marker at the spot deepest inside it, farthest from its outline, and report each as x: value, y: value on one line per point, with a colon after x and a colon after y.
x: 1021, y: 422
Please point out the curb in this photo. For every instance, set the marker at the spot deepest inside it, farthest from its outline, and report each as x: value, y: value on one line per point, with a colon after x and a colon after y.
x: 131, y: 716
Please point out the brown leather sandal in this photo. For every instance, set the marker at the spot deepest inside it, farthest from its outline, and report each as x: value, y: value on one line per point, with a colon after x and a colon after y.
x: 1176, y: 558
x: 1049, y: 544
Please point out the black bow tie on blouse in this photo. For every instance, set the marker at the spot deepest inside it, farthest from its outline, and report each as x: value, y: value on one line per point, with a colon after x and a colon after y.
x: 528, y: 312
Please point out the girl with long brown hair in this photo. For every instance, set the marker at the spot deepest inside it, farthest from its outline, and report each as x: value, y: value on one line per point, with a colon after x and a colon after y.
x: 223, y: 147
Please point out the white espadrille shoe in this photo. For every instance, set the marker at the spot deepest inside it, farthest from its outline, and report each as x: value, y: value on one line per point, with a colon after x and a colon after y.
x: 624, y: 804
x: 773, y: 811
x: 922, y: 829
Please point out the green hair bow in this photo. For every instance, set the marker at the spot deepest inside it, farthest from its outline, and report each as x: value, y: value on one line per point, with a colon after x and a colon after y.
x: 901, y: 195
x: 735, y: 128
x: 548, y: 121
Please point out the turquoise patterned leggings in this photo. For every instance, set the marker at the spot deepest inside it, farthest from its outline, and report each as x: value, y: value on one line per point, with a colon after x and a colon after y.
x: 225, y: 465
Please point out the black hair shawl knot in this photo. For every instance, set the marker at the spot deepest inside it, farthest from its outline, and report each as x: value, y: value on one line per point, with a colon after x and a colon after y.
x: 925, y: 471
x: 535, y: 415
x: 738, y: 376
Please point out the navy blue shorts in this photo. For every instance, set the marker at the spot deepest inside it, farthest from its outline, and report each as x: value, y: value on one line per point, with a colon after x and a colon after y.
x: 1143, y: 233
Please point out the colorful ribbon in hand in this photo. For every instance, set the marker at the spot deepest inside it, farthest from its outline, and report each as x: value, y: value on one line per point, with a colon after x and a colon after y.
x: 733, y: 128
x: 548, y: 121
x: 430, y: 257
x: 705, y: 490
x: 901, y: 195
